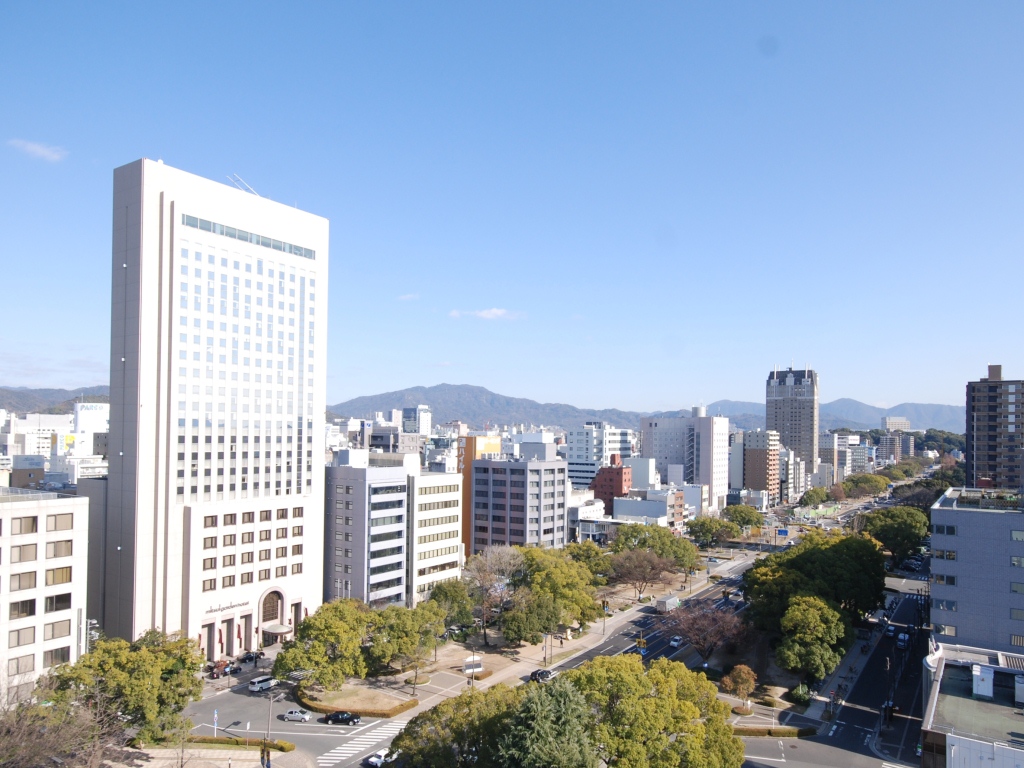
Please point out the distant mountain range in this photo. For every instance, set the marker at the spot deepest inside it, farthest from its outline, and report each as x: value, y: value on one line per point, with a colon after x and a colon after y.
x: 25, y: 400
x: 478, y: 406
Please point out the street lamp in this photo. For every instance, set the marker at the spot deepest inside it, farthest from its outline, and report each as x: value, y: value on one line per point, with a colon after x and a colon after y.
x: 266, y: 738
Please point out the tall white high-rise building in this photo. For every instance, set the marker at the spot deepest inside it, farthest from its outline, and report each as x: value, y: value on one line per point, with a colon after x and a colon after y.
x: 590, y: 447
x: 699, y: 442
x: 214, y: 503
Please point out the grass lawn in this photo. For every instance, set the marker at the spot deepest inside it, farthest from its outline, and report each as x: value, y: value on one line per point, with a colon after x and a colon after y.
x: 357, y: 697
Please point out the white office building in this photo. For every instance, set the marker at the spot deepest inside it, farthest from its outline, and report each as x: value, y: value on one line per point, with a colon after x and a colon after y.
x: 44, y: 546
x: 32, y: 434
x: 699, y: 442
x: 214, y: 504
x: 590, y: 447
x: 435, y: 532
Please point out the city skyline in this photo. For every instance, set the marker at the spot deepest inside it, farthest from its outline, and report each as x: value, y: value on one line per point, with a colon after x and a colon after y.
x: 498, y: 176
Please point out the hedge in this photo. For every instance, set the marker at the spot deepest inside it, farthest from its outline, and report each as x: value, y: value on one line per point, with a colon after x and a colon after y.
x: 254, y: 741
x: 779, y: 731
x: 323, y: 709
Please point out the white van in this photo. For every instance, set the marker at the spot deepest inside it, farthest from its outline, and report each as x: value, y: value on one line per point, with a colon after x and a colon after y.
x: 261, y: 683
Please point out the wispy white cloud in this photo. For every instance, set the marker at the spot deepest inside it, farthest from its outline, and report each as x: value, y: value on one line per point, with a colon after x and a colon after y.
x: 41, y: 151
x: 409, y: 297
x: 486, y: 314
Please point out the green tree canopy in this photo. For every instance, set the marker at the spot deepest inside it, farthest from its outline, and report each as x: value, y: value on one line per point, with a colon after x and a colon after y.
x: 743, y: 515
x: 148, y: 683
x: 900, y: 529
x: 454, y: 598
x: 857, y: 486
x: 550, y: 729
x: 814, y: 497
x: 592, y: 556
x: 711, y: 530
x: 532, y: 615
x: 569, y: 583
x: 661, y: 541
x: 329, y: 644
x: 812, y: 632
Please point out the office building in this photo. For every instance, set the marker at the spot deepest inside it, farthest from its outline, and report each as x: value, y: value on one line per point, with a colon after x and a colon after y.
x: 736, y: 460
x: 590, y: 447
x: 832, y: 449
x: 214, y: 500
x: 520, y: 500
x: 761, y: 462
x: 698, y: 442
x: 890, y: 448
x: 470, y: 448
x: 417, y: 420
x: 793, y: 480
x: 32, y: 434
x: 993, y: 452
x: 895, y: 424
x: 612, y: 481
x: 435, y: 532
x: 791, y: 409
x: 44, y: 543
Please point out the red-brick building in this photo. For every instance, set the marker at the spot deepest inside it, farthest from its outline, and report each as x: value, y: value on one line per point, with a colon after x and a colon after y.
x: 612, y: 482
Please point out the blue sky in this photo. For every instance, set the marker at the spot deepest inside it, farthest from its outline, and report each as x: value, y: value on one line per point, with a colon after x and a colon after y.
x: 635, y: 205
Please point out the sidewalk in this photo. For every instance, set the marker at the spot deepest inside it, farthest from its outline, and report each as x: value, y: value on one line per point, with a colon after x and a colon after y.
x: 217, y: 758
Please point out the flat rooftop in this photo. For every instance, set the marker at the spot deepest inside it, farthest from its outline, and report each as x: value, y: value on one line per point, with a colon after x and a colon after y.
x: 987, y: 499
x: 957, y: 711
x: 27, y: 494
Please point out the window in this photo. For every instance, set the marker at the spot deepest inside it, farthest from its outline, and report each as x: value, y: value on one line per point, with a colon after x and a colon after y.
x: 379, y: 505
x: 1017, y: 562
x: 20, y: 525
x: 944, y: 530
x: 228, y: 581
x: 943, y: 605
x: 281, y: 571
x: 210, y: 521
x: 209, y: 563
x: 296, y: 568
x: 264, y: 554
x: 21, y: 665
x: 26, y: 553
x: 387, y: 489
x: 264, y: 535
x: 22, y: 609
x: 282, y: 514
x: 264, y: 515
x: 57, y: 629
x: 247, y: 517
x: 229, y: 540
x: 282, y: 533
x: 247, y: 578
x: 21, y: 581
x: 58, y: 549
x: 19, y: 637
x: 296, y: 530
x: 264, y: 574
x: 56, y: 603
x: 210, y: 542
x: 388, y: 520
x: 209, y: 585
x: 944, y: 554
x: 949, y: 581
x: 437, y: 537
x: 228, y: 561
x: 59, y: 522
x: 58, y: 576
x: 375, y: 553
x: 1017, y: 614
x: 945, y: 629
x: 57, y: 656
x: 246, y: 557
x: 297, y: 512
x: 296, y: 549
x: 281, y: 552
x: 247, y: 538
x: 386, y: 536
x: 230, y: 519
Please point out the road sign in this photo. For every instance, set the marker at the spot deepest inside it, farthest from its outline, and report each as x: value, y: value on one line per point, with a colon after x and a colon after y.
x: 783, y: 532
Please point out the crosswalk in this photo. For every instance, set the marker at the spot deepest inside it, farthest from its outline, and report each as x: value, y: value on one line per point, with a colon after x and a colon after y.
x: 360, y: 743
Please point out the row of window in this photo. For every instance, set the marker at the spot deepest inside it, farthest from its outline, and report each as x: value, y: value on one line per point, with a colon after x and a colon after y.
x: 22, y: 665
x: 22, y: 609
x: 430, y: 522
x: 246, y: 578
x: 210, y: 542
x: 247, y: 237
x: 211, y: 521
x: 431, y: 489
x: 27, y: 635
x: 228, y: 561
x: 26, y: 553
x: 432, y: 505
x: 24, y: 525
x: 20, y: 581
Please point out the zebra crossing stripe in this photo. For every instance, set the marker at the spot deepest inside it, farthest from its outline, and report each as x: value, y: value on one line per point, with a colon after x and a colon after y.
x: 358, y: 744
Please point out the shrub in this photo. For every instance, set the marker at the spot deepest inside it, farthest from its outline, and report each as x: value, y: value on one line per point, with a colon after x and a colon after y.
x: 800, y: 695
x: 742, y: 711
x: 769, y: 701
x: 278, y: 744
x: 779, y: 732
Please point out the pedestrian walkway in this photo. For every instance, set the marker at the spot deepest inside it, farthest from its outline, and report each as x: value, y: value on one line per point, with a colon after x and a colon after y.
x: 214, y: 758
x: 361, y: 743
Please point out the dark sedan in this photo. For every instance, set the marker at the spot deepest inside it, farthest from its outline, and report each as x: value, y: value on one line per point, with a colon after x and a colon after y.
x: 342, y: 718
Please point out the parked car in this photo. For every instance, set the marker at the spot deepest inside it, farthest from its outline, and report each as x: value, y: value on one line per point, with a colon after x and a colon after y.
x: 297, y: 715
x: 890, y: 631
x: 249, y: 657
x: 262, y: 683
x: 378, y: 758
x: 676, y: 641
x: 903, y: 640
x: 543, y: 675
x: 342, y: 718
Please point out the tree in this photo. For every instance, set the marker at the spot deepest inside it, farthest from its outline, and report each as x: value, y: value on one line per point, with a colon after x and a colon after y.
x: 147, y: 683
x: 454, y: 598
x: 743, y: 515
x: 814, y: 497
x: 465, y: 730
x: 711, y: 530
x: 661, y: 716
x: 553, y: 572
x: 900, y: 529
x: 658, y: 540
x: 489, y: 575
x: 640, y: 568
x: 837, y: 493
x: 812, y: 631
x: 857, y: 486
x: 703, y: 627
x: 592, y: 556
x: 740, y: 682
x: 550, y: 729
x: 532, y: 616
x: 329, y: 644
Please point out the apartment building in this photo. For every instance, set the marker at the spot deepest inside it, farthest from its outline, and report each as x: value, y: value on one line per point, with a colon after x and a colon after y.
x: 761, y: 462
x: 611, y: 482
x: 700, y: 443
x: 590, y: 447
x: 214, y: 502
x: 993, y: 452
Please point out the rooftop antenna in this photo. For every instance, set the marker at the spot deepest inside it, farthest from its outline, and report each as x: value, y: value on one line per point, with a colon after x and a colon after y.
x: 239, y: 182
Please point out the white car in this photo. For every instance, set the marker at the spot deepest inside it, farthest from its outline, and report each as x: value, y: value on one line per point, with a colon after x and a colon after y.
x: 676, y: 641
x: 378, y: 758
x: 300, y: 715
